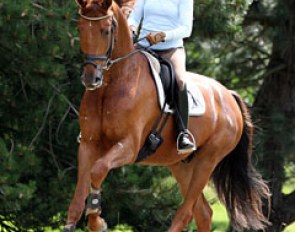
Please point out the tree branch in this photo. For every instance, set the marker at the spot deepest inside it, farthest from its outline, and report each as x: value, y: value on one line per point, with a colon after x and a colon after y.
x: 44, y: 121
x: 66, y: 99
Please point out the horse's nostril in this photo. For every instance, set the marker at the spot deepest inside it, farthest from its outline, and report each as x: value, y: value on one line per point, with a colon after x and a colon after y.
x: 98, y: 79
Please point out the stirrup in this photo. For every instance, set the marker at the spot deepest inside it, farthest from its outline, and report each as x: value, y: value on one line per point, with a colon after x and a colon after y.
x: 191, y: 137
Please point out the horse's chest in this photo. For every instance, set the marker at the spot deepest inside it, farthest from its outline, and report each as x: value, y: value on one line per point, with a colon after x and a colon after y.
x: 118, y: 117
x: 111, y: 116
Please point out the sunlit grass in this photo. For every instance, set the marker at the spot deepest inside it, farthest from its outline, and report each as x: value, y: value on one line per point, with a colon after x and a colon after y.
x: 290, y: 228
x: 220, y: 221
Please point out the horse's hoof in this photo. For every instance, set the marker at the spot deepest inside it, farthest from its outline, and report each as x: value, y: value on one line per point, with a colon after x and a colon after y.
x: 69, y: 228
x: 103, y: 228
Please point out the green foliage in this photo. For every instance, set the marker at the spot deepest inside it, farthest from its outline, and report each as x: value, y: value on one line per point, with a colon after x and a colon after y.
x: 220, y: 18
x: 40, y: 90
x: 144, y: 197
x: 225, y: 47
x: 122, y: 228
x: 37, y: 126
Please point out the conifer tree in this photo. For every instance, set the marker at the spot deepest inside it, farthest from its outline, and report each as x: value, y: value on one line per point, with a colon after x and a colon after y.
x: 38, y: 61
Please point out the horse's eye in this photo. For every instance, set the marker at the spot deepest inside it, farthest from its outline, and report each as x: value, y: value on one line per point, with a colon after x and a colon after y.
x: 106, y: 32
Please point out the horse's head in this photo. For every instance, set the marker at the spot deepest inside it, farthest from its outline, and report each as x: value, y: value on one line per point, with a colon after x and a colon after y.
x: 96, y: 26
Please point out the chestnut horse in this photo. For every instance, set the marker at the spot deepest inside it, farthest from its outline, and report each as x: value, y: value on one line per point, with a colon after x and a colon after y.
x: 120, y: 107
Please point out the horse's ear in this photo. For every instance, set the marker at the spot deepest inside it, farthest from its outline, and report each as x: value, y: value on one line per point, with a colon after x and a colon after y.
x: 107, y: 4
x: 81, y: 3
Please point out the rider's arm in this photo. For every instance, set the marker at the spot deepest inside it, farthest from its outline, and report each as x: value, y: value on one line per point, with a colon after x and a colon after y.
x: 185, y: 22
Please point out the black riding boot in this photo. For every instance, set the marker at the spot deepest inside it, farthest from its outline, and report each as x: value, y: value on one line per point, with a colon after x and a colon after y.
x: 185, y: 140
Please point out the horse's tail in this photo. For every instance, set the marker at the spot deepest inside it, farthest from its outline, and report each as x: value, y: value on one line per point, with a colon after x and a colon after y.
x: 238, y: 184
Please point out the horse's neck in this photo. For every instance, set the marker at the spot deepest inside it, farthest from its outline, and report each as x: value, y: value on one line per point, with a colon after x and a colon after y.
x: 123, y: 43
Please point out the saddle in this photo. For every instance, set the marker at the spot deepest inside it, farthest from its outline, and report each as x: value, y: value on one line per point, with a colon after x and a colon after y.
x: 168, y: 80
x: 165, y: 81
x: 167, y: 76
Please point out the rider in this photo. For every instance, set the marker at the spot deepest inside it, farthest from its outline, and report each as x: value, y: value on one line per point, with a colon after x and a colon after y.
x: 165, y: 23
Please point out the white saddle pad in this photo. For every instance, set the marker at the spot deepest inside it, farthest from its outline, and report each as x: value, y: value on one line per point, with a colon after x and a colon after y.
x: 195, y: 97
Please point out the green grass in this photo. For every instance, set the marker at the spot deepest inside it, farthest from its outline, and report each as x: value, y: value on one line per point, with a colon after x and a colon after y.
x: 290, y: 228
x: 220, y: 219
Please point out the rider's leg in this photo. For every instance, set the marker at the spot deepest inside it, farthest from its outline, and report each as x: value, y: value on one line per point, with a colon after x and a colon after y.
x: 185, y: 140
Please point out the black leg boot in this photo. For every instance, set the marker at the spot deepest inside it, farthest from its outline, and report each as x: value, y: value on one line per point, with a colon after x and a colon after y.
x: 185, y: 139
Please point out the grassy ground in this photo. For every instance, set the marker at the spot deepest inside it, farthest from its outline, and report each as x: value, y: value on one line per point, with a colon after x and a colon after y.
x: 220, y: 220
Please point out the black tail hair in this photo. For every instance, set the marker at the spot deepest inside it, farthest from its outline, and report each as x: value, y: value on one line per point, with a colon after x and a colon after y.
x: 239, y: 186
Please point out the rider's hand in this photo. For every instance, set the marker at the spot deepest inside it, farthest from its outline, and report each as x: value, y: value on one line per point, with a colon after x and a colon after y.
x: 156, y: 37
x: 133, y: 31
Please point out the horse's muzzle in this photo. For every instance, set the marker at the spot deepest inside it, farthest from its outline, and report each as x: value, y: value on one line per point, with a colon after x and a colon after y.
x: 92, y: 78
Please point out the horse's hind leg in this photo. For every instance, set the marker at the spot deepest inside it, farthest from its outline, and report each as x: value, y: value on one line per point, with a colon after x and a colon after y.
x: 201, y: 211
x: 203, y: 215
x: 202, y: 167
x: 85, y: 161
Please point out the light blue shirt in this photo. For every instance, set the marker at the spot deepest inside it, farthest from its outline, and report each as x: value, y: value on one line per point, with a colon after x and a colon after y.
x: 174, y: 17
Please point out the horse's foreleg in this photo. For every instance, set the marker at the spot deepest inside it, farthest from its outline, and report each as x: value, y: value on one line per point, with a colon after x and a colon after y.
x: 120, y: 154
x: 86, y: 158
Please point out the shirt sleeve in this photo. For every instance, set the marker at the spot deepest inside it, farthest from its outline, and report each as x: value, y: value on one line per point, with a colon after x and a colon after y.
x: 137, y: 13
x: 185, y: 19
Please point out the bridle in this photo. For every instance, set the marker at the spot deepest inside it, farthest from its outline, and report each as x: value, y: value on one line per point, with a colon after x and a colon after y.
x: 91, y: 58
x: 107, y: 58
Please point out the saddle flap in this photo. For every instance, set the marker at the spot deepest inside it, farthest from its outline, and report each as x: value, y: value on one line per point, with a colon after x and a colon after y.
x: 196, y: 99
x: 167, y: 76
x: 166, y: 72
